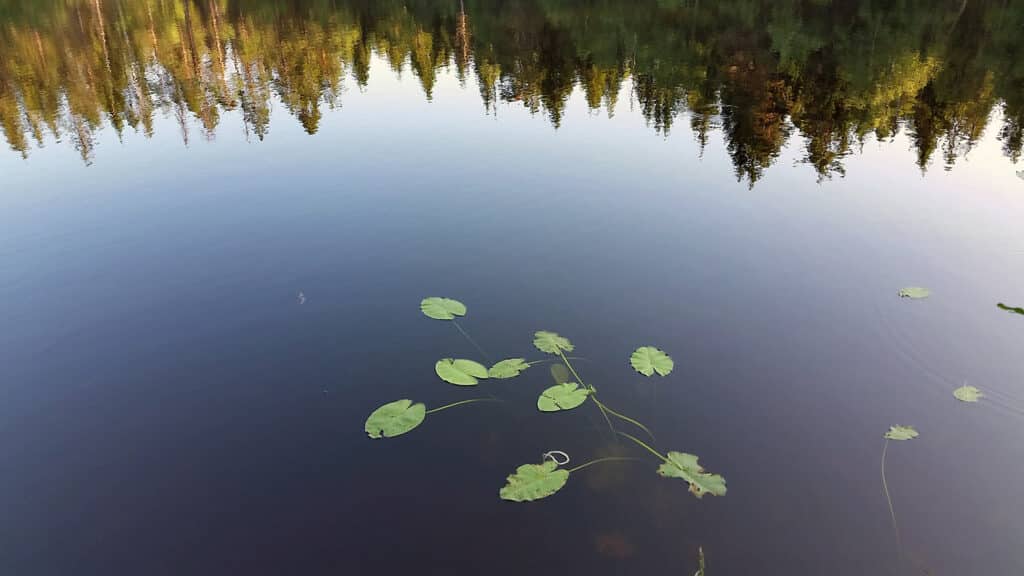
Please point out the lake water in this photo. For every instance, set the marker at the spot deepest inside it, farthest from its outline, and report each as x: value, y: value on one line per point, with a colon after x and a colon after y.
x: 218, y: 219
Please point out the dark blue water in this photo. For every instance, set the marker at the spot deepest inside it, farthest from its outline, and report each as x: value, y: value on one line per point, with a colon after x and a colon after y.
x: 171, y: 405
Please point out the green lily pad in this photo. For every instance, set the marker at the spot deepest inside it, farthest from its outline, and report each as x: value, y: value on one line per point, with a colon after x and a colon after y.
x: 509, y: 368
x: 551, y: 342
x: 562, y: 397
x: 685, y: 466
x: 395, y: 418
x: 915, y: 292
x: 460, y: 372
x: 899, y: 432
x: 560, y: 373
x: 442, y: 308
x: 967, y: 394
x: 533, y: 482
x: 647, y: 360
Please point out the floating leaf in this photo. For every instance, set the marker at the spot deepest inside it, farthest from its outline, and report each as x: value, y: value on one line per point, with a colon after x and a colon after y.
x: 647, y: 360
x: 899, y: 432
x: 460, y: 372
x: 1015, y: 310
x: 915, y: 292
x: 967, y: 394
x: 551, y: 343
x: 562, y: 397
x: 395, y: 418
x: 509, y: 368
x: 685, y: 466
x: 442, y: 308
x: 560, y: 373
x: 533, y: 482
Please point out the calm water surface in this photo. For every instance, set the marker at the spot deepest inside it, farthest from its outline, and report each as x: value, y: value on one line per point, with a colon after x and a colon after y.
x: 218, y: 218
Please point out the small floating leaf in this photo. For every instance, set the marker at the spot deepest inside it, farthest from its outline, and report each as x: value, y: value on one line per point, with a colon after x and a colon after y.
x: 562, y: 397
x: 551, y: 342
x: 967, y: 394
x: 915, y: 292
x: 395, y: 418
x: 1016, y: 310
x: 533, y: 482
x: 442, y: 308
x: 685, y: 466
x: 560, y: 373
x: 460, y: 372
x: 509, y: 368
x: 899, y: 432
x: 647, y: 360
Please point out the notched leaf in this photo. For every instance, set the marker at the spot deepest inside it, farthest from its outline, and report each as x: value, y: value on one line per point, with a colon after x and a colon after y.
x: 967, y: 394
x: 551, y: 342
x: 460, y: 372
x: 442, y: 308
x: 395, y: 418
x: 562, y: 397
x: 509, y: 368
x: 685, y: 466
x: 533, y: 482
x: 647, y: 360
x: 901, y: 432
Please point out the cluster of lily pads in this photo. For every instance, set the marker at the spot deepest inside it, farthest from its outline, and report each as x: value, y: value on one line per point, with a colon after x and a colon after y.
x: 900, y: 432
x: 535, y: 481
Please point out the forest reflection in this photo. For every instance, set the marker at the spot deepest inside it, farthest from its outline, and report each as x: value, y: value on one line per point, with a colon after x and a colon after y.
x: 761, y: 72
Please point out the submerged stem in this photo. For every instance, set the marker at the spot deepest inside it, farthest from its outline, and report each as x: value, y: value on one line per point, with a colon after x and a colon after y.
x: 593, y: 391
x: 471, y: 341
x: 624, y: 417
x: 543, y: 360
x: 573, y: 370
x: 460, y: 403
x: 642, y: 443
x: 888, y: 499
x: 599, y: 460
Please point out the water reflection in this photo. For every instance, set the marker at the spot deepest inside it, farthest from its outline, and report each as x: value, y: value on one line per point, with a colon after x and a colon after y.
x: 761, y: 73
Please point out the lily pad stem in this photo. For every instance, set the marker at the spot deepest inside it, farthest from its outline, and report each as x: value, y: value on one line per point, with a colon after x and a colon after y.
x: 644, y: 445
x: 461, y: 402
x: 599, y: 460
x: 885, y: 487
x: 623, y: 417
x: 471, y: 341
x: 593, y: 391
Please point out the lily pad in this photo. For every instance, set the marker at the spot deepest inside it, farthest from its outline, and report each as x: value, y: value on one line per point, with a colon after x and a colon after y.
x: 442, y: 308
x: 562, y: 397
x: 647, y: 360
x: 460, y: 372
x: 967, y: 394
x: 915, y: 292
x: 685, y: 466
x: 395, y: 418
x: 560, y: 373
x: 551, y: 342
x: 533, y: 482
x: 509, y: 368
x: 899, y: 432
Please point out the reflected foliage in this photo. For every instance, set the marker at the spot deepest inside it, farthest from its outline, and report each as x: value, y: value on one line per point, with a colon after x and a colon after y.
x: 826, y: 75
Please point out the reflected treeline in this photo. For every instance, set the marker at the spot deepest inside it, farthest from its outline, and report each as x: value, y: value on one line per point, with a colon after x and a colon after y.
x: 759, y: 71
